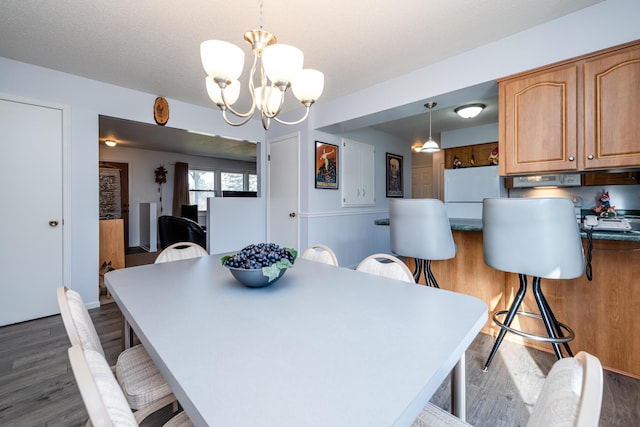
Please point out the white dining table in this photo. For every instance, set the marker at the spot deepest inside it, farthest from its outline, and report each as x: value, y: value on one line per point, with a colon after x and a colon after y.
x: 323, y: 346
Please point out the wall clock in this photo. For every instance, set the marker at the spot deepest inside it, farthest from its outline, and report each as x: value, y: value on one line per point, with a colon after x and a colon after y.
x: 161, y: 111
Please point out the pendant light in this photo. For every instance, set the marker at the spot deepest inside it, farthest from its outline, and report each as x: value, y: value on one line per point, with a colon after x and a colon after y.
x: 430, y: 146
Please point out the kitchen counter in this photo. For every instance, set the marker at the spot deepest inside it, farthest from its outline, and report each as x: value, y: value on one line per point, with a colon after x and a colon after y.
x: 466, y: 224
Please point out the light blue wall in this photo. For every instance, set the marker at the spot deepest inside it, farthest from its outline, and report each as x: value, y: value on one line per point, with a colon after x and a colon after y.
x: 469, y: 136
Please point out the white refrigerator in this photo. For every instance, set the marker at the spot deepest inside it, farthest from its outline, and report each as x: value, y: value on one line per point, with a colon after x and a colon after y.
x: 465, y: 188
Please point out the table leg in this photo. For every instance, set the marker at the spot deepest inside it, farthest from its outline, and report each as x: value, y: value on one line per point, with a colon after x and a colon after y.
x: 127, y: 337
x: 458, y: 390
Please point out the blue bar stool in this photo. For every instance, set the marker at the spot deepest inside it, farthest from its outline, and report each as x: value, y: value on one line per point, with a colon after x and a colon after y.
x: 537, y: 237
x: 420, y: 229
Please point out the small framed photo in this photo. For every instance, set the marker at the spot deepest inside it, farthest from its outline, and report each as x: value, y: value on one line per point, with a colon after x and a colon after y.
x: 394, y: 175
x: 326, y: 166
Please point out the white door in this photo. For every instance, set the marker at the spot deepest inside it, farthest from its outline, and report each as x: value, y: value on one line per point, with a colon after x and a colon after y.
x: 31, y: 254
x: 283, y: 191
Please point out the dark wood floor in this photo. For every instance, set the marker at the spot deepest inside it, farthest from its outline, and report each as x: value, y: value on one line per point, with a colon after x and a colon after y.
x: 37, y: 386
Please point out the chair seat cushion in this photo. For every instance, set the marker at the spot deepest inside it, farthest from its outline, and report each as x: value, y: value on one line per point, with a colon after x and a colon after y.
x: 559, y: 398
x: 180, y: 420
x: 434, y: 416
x: 140, y: 378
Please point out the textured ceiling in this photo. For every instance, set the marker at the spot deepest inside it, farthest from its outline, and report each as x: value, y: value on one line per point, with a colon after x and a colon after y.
x: 153, y: 45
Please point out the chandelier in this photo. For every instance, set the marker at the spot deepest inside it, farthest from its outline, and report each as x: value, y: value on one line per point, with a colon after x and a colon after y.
x: 279, y: 67
x: 430, y: 146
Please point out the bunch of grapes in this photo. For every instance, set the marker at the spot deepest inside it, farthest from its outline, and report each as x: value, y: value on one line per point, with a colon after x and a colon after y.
x: 259, y: 255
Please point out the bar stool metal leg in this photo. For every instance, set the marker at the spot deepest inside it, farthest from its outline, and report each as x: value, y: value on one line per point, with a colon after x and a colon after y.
x: 551, y: 323
x: 511, y: 314
x: 429, y: 277
x: 418, y: 269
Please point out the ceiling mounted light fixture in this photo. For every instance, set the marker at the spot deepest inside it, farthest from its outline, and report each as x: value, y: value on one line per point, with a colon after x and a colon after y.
x: 280, y: 67
x: 430, y: 146
x: 469, y: 111
x: 110, y: 143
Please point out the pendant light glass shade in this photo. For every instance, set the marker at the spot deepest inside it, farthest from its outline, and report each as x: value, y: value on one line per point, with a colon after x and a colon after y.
x: 430, y: 146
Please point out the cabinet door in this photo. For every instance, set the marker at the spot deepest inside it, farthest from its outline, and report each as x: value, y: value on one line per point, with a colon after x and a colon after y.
x: 538, y: 122
x: 357, y: 174
x: 612, y: 110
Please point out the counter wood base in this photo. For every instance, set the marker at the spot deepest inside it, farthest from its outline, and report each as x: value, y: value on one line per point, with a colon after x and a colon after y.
x: 603, y: 312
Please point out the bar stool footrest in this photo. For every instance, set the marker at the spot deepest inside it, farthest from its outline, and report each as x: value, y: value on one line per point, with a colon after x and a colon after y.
x: 560, y: 340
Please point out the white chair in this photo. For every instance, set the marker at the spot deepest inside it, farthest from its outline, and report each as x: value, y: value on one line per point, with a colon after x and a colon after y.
x: 570, y: 396
x: 101, y: 394
x: 181, y: 250
x: 420, y: 229
x: 537, y: 237
x: 141, y: 382
x: 320, y: 253
x: 390, y: 267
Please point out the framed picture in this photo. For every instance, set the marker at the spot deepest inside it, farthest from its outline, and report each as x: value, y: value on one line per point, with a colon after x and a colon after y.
x: 326, y: 166
x: 394, y: 176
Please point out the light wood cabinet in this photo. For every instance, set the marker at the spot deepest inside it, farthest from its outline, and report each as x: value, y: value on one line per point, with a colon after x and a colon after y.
x: 358, y: 174
x: 612, y: 109
x: 112, y: 242
x: 538, y: 122
x: 577, y: 115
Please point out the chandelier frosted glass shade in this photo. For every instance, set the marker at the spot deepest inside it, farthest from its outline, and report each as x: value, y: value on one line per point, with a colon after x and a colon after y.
x: 308, y: 85
x: 282, y: 63
x: 222, y: 59
x: 276, y: 68
x: 231, y: 92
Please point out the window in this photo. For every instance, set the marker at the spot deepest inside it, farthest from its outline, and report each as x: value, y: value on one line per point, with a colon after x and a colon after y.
x: 201, y: 186
x: 238, y: 181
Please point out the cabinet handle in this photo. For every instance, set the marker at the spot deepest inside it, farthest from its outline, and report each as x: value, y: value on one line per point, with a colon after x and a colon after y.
x: 590, y: 157
x: 363, y: 193
x: 358, y: 192
x: 53, y: 223
x: 571, y: 158
x: 292, y: 214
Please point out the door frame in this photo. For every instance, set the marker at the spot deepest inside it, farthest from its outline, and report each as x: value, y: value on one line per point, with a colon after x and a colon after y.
x: 66, y: 175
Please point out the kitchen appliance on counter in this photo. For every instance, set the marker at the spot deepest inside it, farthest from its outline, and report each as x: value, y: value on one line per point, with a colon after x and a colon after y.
x: 465, y: 188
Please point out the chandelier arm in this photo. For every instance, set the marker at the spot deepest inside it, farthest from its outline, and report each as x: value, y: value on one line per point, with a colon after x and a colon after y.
x: 240, y: 123
x: 249, y: 113
x: 275, y: 113
x: 306, y: 114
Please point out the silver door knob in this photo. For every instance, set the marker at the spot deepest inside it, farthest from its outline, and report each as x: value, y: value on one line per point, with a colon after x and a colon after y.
x: 590, y: 157
x: 571, y: 158
x: 53, y: 223
x: 292, y: 214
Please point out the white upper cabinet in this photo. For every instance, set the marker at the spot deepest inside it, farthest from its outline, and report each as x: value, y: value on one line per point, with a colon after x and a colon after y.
x: 358, y: 174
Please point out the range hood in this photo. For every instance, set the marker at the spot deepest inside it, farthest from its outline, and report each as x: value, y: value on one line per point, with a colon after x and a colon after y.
x: 560, y: 180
